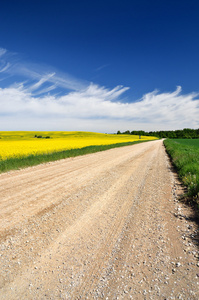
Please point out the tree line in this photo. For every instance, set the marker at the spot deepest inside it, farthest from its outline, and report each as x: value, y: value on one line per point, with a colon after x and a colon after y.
x: 185, y: 133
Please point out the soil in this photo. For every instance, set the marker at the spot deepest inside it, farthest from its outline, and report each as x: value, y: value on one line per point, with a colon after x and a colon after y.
x: 107, y: 225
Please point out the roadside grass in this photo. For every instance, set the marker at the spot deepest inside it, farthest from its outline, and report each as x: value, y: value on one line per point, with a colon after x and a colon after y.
x: 15, y: 163
x: 185, y: 157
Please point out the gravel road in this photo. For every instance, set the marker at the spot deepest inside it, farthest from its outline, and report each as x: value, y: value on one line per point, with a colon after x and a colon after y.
x: 101, y: 226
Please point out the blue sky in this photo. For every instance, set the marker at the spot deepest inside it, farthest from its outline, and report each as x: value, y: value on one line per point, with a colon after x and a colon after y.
x: 99, y: 65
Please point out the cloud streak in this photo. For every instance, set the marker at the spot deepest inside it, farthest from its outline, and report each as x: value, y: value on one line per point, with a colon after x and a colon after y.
x: 102, y: 67
x: 13, y: 66
x: 2, y: 51
x: 4, y: 68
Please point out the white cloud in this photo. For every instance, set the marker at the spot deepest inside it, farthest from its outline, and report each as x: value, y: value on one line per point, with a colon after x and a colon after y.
x: 96, y: 109
x: 50, y: 100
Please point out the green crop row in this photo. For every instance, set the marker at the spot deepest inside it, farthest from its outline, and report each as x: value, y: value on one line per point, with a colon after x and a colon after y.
x: 185, y: 157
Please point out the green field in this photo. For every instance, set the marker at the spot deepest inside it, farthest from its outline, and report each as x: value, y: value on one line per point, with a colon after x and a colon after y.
x: 185, y: 157
x: 188, y: 142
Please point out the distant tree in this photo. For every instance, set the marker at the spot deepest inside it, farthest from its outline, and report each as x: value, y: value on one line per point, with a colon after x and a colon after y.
x: 127, y: 132
x: 185, y: 133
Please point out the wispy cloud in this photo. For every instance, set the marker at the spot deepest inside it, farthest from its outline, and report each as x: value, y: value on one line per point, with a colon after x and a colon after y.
x: 4, y: 65
x: 37, y: 74
x: 102, y: 67
x: 36, y: 104
x: 49, y: 74
x: 2, y: 51
x: 4, y: 68
x: 45, y: 90
x: 44, y: 79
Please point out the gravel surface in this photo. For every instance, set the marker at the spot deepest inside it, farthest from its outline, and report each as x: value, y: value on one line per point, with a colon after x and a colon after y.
x: 106, y: 225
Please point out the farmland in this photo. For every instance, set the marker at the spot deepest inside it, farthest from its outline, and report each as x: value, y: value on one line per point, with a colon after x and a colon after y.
x: 26, y: 148
x: 185, y: 157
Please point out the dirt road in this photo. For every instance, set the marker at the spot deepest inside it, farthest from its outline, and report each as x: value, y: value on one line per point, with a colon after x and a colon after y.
x: 101, y: 226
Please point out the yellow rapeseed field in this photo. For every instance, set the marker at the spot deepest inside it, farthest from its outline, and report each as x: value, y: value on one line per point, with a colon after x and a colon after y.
x: 18, y: 144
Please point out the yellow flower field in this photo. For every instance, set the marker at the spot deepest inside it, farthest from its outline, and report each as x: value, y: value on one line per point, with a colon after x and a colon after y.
x: 18, y: 144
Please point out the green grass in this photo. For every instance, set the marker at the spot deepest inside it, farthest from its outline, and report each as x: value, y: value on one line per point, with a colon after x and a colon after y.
x: 185, y: 157
x: 32, y: 160
x: 188, y: 142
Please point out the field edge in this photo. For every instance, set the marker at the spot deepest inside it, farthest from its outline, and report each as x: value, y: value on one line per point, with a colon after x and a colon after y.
x: 182, y: 160
x: 33, y: 160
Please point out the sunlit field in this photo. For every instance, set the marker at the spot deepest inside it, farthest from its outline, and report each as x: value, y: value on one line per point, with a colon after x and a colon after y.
x: 19, y: 149
x: 21, y: 144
